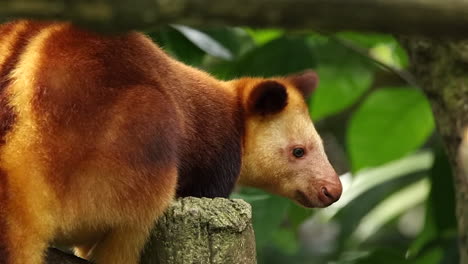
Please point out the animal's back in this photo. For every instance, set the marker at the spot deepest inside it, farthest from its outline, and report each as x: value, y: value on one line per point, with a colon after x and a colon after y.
x: 71, y: 103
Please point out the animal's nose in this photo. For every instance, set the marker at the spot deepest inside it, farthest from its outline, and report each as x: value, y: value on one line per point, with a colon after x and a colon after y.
x: 330, y: 193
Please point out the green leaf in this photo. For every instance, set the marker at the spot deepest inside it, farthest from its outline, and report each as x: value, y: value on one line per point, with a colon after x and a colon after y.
x: 297, y: 215
x: 401, y: 56
x: 263, y: 36
x: 221, y: 69
x: 178, y: 46
x: 385, y: 54
x: 433, y: 256
x: 381, y: 255
x: 237, y: 40
x: 391, y: 207
x: 369, y: 179
x: 285, y: 239
x: 390, y: 124
x: 397, y: 56
x: 339, y: 87
x: 366, y: 40
x: 372, y: 186
x: 281, y: 56
x: 344, y: 77
x: 440, y: 226
x: 269, y: 211
x: 442, y: 198
x: 204, y: 42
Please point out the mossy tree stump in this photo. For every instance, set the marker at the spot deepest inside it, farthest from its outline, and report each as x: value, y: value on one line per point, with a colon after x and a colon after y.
x: 195, y: 230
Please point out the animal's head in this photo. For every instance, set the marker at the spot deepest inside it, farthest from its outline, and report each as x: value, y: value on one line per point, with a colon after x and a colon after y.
x: 283, y: 152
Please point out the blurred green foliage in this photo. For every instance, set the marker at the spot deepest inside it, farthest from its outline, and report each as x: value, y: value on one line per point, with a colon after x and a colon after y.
x: 386, y: 118
x: 398, y: 202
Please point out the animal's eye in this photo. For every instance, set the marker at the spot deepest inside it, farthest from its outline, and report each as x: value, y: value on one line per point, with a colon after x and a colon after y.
x: 298, y: 152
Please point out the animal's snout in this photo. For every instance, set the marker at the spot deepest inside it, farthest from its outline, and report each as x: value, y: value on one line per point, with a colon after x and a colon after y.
x: 330, y: 192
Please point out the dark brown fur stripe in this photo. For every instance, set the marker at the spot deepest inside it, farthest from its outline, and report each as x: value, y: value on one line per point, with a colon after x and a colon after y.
x: 5, y: 29
x: 7, y: 115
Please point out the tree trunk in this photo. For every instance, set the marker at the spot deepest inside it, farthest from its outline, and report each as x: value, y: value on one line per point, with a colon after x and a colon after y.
x: 193, y: 230
x: 441, y: 67
x: 211, y: 231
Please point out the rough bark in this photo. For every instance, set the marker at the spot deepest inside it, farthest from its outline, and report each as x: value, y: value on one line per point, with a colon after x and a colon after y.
x: 446, y: 17
x: 441, y: 67
x: 211, y: 231
x: 193, y: 230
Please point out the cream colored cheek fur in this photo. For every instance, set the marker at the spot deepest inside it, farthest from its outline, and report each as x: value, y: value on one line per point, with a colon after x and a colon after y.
x: 268, y: 163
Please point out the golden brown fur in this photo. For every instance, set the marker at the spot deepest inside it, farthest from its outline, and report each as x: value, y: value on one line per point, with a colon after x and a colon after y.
x: 99, y: 133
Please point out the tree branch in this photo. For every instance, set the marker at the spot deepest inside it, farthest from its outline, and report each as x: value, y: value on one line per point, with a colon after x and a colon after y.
x: 440, y: 68
x: 430, y: 17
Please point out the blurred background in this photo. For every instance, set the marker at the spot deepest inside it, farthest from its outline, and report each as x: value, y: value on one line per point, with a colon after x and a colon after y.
x: 398, y: 201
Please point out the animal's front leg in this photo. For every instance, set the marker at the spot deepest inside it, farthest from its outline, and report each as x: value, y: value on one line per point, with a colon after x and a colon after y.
x: 124, y: 242
x: 23, y: 241
x: 121, y: 245
x: 26, y: 228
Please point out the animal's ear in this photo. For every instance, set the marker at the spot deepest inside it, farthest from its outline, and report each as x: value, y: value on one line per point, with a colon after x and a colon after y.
x: 305, y: 82
x: 267, y: 97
